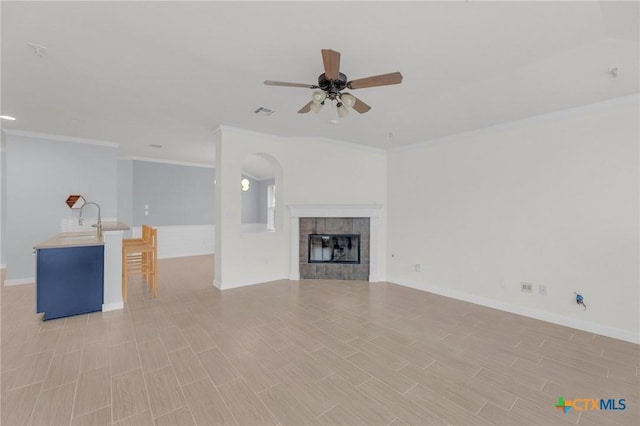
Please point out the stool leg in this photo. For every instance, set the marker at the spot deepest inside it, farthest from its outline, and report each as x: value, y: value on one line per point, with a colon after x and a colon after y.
x: 155, y: 275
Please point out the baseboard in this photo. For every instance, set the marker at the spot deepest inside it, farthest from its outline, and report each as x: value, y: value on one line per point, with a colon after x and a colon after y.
x: 603, y: 330
x: 227, y: 286
x: 182, y: 240
x: 184, y: 254
x: 20, y: 281
x: 112, y: 306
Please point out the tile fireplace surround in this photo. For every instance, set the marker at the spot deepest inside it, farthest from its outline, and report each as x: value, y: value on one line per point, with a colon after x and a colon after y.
x: 356, y: 219
x: 334, y: 225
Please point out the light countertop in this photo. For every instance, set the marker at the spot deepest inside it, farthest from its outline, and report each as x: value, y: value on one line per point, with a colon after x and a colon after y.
x: 71, y: 239
x: 114, y: 226
x: 81, y: 239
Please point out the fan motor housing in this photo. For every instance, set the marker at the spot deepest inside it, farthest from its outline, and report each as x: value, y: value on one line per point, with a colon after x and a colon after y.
x: 332, y: 86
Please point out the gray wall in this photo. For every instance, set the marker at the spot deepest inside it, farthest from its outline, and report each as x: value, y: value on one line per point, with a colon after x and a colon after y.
x: 41, y: 174
x: 263, y: 184
x: 125, y: 192
x: 175, y: 194
x: 250, y: 201
x: 254, y: 201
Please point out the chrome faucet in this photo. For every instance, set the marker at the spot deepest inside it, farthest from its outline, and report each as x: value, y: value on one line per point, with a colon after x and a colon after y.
x: 98, y: 224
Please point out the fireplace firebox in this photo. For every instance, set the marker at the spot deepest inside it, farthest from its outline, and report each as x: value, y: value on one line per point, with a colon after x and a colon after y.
x: 334, y: 248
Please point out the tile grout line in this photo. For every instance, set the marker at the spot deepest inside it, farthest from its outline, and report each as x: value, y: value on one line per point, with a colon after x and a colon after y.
x: 146, y: 386
x: 409, y: 390
x: 41, y: 387
x: 223, y: 401
x: 33, y: 409
x: 179, y: 387
x: 480, y: 409
x: 257, y: 395
x: 75, y: 389
x: 326, y: 411
x: 514, y: 403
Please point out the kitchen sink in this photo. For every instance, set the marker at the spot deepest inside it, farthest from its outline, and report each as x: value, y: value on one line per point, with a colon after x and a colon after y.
x: 77, y: 237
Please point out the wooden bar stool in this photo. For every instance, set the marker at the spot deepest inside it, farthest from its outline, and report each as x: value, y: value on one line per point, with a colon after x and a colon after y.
x: 141, y: 258
x: 143, y: 238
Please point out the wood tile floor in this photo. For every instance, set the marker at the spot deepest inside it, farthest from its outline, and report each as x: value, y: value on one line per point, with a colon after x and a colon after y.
x: 302, y: 353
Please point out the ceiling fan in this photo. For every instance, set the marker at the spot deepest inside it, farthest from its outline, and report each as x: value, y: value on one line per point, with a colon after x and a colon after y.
x: 332, y: 82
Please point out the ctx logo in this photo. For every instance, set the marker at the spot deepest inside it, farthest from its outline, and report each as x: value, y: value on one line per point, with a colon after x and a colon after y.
x: 590, y: 404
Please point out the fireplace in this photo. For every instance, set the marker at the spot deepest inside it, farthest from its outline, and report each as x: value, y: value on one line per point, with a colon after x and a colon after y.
x: 334, y: 248
x: 335, y: 219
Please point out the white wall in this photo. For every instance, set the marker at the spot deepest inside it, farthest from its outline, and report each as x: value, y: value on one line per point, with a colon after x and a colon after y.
x: 41, y: 174
x: 551, y: 201
x: 312, y: 172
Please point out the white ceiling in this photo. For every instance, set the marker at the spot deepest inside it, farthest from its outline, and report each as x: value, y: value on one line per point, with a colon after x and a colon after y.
x: 168, y: 73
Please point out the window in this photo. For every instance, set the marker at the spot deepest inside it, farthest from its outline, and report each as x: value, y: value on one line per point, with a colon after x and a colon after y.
x: 271, y: 208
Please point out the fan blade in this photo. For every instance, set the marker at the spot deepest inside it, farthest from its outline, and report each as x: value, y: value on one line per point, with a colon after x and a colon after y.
x: 360, y: 106
x: 283, y: 83
x: 377, y: 80
x: 331, y: 60
x: 305, y: 108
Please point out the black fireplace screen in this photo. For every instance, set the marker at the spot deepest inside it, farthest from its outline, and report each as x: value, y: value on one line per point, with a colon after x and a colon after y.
x: 334, y: 248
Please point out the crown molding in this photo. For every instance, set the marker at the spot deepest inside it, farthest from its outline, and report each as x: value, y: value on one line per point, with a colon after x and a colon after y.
x: 165, y: 161
x: 60, y: 138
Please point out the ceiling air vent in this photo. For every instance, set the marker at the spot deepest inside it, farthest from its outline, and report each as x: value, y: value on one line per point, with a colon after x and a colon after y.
x: 264, y: 110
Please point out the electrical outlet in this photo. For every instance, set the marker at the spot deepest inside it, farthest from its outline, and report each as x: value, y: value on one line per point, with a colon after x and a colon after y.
x: 526, y: 287
x: 542, y: 290
x: 418, y: 267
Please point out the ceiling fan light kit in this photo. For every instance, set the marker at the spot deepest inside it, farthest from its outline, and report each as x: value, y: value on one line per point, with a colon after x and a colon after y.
x: 342, y: 110
x: 316, y: 106
x: 348, y: 99
x: 332, y: 82
x: 319, y: 96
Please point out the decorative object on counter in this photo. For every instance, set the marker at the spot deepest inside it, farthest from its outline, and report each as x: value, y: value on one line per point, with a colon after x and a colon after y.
x: 75, y: 201
x: 140, y: 257
x: 98, y: 224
